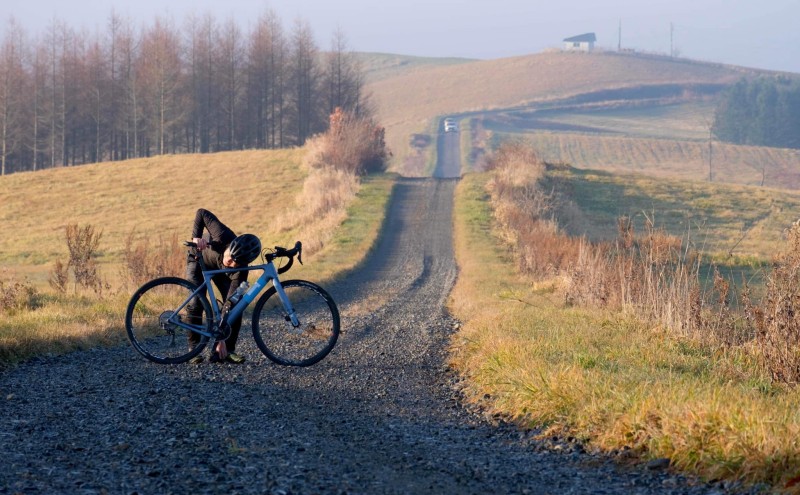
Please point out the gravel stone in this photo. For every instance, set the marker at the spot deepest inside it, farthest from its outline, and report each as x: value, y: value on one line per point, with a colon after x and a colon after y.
x: 380, y: 415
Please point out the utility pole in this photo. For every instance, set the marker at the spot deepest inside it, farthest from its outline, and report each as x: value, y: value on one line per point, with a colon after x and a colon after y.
x: 710, y: 138
x: 671, y: 36
x: 619, y: 37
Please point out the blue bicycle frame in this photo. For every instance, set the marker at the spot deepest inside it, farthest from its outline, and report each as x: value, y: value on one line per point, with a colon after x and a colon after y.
x: 269, y: 273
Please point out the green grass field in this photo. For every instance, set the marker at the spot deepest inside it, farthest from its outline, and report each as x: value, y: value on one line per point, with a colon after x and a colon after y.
x: 679, y: 120
x: 719, y: 219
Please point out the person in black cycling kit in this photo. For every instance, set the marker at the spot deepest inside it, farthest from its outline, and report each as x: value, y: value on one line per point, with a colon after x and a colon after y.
x: 220, y: 248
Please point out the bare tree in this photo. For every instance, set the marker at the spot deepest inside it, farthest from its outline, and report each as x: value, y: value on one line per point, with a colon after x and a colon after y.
x: 38, y: 102
x: 12, y: 81
x: 201, y: 34
x: 343, y: 77
x: 71, y: 87
x: 129, y: 101
x: 56, y: 40
x: 97, y: 100
x: 305, y: 115
x: 160, y: 74
x: 230, y: 80
x: 74, y: 97
x: 266, y: 83
x: 118, y: 35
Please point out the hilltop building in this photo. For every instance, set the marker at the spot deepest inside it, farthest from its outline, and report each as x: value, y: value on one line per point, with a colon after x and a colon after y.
x: 581, y: 43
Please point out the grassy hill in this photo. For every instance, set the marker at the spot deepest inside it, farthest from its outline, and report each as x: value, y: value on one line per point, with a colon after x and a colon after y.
x: 155, y: 197
x: 750, y: 165
x: 409, y: 102
x: 379, y: 66
x: 629, y: 389
x: 618, y: 112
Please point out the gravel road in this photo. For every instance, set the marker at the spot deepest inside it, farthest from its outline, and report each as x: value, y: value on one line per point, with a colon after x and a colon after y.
x: 381, y: 414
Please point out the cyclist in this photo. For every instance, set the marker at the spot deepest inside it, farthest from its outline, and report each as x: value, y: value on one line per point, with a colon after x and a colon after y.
x: 220, y: 248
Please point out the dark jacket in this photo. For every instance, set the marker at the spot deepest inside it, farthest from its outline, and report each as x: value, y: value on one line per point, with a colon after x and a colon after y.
x: 219, y: 237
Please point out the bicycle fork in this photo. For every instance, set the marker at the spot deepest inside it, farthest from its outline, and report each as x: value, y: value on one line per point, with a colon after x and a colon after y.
x: 291, y: 315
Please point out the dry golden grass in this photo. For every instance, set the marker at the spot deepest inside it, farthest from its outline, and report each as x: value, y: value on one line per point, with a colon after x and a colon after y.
x: 320, y: 208
x: 352, y: 147
x: 156, y: 197
x: 62, y: 323
x: 606, y: 379
x: 409, y: 102
x: 685, y: 118
x: 377, y: 66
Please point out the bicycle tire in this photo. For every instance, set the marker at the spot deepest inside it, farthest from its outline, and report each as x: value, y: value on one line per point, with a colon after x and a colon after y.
x: 312, y: 340
x: 149, y: 332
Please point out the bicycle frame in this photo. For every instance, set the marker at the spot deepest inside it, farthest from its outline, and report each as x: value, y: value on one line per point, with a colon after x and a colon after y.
x: 270, y: 273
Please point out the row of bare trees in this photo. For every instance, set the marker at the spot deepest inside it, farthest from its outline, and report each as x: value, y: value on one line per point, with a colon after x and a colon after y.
x: 68, y: 97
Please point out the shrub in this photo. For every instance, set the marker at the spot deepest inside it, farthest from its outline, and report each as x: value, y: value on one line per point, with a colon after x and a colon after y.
x: 653, y: 275
x: 524, y: 211
x: 144, y: 259
x: 777, y: 320
x: 352, y: 143
x: 82, y: 243
x: 59, y: 276
x: 321, y: 206
x: 352, y: 146
x: 16, y: 295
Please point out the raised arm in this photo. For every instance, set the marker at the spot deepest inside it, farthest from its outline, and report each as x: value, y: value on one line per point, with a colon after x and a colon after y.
x: 219, y: 233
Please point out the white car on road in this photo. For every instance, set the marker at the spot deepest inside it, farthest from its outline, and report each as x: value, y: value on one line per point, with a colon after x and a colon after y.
x: 450, y: 125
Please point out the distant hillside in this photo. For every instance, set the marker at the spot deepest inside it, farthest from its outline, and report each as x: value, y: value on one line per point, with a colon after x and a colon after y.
x: 379, y: 66
x: 409, y: 101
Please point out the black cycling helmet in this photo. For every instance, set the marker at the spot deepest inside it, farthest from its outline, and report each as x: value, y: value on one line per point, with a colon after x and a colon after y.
x: 245, y: 249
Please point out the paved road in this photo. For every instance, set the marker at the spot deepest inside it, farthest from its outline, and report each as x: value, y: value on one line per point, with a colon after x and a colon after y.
x: 449, y: 155
x: 380, y: 415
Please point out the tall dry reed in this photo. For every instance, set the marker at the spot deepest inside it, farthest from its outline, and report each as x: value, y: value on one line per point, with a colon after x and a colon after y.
x: 524, y: 211
x: 653, y: 275
x: 776, y: 320
x: 145, y: 259
x: 352, y: 146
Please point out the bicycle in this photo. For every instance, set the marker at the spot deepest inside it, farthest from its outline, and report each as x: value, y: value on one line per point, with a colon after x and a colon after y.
x: 295, y: 323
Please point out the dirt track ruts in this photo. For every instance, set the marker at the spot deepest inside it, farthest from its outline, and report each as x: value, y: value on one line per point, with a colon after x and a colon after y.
x: 380, y: 415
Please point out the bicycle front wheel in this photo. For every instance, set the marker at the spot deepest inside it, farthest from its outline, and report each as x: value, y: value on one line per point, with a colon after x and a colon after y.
x: 301, y: 345
x: 153, y: 321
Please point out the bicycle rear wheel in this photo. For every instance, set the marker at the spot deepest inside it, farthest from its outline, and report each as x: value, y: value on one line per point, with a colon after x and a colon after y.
x: 305, y: 344
x: 151, y: 321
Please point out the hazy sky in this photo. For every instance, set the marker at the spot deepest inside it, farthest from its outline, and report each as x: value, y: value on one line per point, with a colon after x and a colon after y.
x: 763, y: 34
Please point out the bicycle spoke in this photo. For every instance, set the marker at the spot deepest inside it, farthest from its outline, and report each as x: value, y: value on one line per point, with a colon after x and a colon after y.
x: 301, y: 345
x: 156, y: 330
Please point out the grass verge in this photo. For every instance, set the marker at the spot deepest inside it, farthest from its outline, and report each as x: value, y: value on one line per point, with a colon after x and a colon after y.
x: 356, y: 235
x: 616, y: 384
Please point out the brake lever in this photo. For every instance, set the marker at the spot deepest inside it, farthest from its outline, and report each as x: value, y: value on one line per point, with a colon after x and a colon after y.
x: 299, y: 246
x: 192, y: 245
